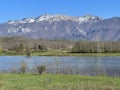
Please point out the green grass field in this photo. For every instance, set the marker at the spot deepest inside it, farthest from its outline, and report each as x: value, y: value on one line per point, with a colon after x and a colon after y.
x: 57, y: 82
x: 59, y: 53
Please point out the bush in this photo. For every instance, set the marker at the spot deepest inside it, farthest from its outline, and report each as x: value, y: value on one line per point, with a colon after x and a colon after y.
x: 41, y: 69
x: 23, y: 67
x: 13, y: 71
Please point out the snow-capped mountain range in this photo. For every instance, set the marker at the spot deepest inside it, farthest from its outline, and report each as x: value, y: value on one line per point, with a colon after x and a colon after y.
x: 52, y: 18
x: 86, y: 27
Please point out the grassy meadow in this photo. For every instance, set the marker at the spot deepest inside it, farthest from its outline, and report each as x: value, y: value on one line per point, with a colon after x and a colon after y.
x: 57, y: 82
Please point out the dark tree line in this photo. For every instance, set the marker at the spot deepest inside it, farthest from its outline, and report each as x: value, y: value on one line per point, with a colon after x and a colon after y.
x: 96, y: 47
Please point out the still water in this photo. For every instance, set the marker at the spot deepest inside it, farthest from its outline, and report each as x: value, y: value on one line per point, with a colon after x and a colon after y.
x: 68, y: 64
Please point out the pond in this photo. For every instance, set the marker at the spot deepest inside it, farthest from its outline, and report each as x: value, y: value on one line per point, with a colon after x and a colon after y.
x: 65, y: 65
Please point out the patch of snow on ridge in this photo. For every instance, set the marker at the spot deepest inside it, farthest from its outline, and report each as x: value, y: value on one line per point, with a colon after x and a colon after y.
x: 29, y: 20
x: 55, y: 18
x: 11, y: 22
x: 89, y: 18
x: 26, y: 20
x: 12, y: 30
x: 25, y: 30
x: 82, y: 32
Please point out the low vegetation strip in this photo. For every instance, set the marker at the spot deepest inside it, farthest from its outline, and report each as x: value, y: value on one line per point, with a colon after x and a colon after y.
x: 57, y: 82
x: 59, y: 53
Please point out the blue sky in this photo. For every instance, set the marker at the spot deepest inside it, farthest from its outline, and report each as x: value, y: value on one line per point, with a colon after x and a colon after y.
x: 18, y: 9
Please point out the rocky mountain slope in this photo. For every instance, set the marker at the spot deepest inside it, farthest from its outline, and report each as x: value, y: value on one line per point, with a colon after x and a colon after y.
x: 86, y: 27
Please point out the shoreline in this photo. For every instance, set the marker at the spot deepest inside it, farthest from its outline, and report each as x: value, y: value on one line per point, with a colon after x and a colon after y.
x: 57, y: 53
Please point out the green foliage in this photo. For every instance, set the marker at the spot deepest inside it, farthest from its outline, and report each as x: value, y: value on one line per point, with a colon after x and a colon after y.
x: 1, y: 50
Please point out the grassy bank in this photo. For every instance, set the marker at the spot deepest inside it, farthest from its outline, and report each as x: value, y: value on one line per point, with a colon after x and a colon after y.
x: 67, y: 53
x: 57, y: 82
x: 59, y: 53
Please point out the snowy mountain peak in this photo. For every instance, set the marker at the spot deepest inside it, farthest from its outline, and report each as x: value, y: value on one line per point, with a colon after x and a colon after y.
x: 43, y: 17
x: 25, y: 20
x: 28, y: 20
x: 52, y: 18
x: 89, y: 18
x: 11, y: 21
